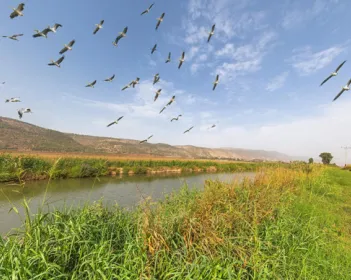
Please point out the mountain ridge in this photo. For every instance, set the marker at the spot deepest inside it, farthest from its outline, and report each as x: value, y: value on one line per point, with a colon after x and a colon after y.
x: 21, y: 136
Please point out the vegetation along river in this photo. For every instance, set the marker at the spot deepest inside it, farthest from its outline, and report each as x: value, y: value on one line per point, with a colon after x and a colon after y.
x: 126, y: 191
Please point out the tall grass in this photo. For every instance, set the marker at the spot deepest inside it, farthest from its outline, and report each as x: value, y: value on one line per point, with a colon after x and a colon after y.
x: 284, y: 224
x: 21, y: 168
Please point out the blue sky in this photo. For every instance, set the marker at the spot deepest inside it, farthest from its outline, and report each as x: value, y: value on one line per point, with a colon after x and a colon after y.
x: 271, y: 59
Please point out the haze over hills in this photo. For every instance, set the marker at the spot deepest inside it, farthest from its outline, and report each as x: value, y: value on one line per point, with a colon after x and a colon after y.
x: 20, y: 136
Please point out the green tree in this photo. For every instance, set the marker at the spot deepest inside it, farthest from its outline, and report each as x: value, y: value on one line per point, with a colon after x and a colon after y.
x: 310, y: 161
x: 326, y: 158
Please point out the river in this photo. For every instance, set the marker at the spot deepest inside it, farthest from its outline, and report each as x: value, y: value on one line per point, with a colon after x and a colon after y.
x: 126, y: 191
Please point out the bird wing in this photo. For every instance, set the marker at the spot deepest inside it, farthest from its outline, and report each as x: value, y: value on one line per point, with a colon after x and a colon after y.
x: 183, y: 55
x: 341, y: 65
x: 71, y: 43
x: 340, y: 93
x: 162, y: 16
x: 162, y: 110
x: 217, y: 78
x: 63, y: 50
x: 158, y: 24
x: 96, y: 30
x: 144, y: 12
x: 173, y: 119
x: 57, y: 25
x: 150, y: 137
x: 20, y: 114
x: 156, y: 96
x: 17, y: 35
x: 141, y: 142
x: 213, y: 27
x: 20, y: 7
x: 51, y: 64
x: 180, y: 64
x: 209, y: 38
x: 111, y: 124
x: 214, y: 86
x: 120, y: 118
x: 46, y: 31
x: 118, y: 38
x: 127, y: 86
x: 13, y: 15
x: 113, y: 76
x: 102, y: 22
x: 349, y: 83
x: 327, y: 79
x: 93, y: 83
x: 60, y: 59
x: 169, y: 55
x: 36, y: 35
x: 151, y: 6
x: 125, y: 30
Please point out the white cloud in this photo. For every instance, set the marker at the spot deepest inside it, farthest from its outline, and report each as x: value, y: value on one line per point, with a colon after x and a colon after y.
x: 277, y: 82
x: 296, y: 16
x: 247, y: 58
x: 307, y: 62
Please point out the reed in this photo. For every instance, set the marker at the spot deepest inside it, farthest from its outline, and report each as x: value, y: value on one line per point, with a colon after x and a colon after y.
x: 284, y: 224
x: 21, y: 168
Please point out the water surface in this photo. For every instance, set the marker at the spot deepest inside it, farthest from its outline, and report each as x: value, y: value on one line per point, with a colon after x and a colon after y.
x: 126, y: 191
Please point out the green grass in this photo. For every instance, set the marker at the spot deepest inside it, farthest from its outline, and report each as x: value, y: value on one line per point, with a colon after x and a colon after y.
x: 286, y: 224
x: 22, y: 168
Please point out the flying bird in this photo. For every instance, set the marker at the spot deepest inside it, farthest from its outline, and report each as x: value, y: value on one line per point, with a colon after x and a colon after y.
x: 213, y: 126
x: 186, y: 131
x: 141, y: 142
x: 159, y: 20
x: 13, y: 99
x: 17, y: 11
x: 181, y: 60
x: 216, y: 82
x: 121, y: 35
x: 98, y: 26
x: 3, y: 83
x: 92, y: 84
x: 54, y: 28
x: 171, y: 101
x: 23, y: 111
x: 13, y: 37
x: 158, y: 92
x: 57, y: 62
x: 175, y: 119
x: 164, y: 108
x: 211, y: 33
x: 115, y: 122
x: 156, y: 78
x: 168, y: 58
x: 147, y: 10
x: 43, y: 33
x: 333, y: 74
x: 110, y: 79
x: 345, y: 88
x: 67, y: 47
x: 153, y: 48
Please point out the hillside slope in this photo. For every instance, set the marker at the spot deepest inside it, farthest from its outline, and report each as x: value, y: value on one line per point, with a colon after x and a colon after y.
x: 21, y: 136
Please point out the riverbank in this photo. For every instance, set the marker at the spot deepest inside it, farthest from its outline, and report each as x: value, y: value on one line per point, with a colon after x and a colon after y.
x: 284, y: 224
x: 19, y: 168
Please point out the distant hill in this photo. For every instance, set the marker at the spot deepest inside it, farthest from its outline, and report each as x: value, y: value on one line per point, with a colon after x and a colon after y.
x: 20, y: 136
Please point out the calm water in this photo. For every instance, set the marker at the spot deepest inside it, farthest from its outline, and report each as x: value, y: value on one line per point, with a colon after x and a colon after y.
x: 126, y: 191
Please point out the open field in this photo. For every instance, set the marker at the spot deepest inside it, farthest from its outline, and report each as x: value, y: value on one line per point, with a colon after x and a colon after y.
x: 285, y: 224
x: 21, y: 168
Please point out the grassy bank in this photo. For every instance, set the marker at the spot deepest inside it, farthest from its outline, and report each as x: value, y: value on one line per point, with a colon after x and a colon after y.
x: 18, y: 168
x: 285, y: 224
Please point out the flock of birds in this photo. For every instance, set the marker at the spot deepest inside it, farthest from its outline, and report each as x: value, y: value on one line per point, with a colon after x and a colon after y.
x: 68, y: 47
